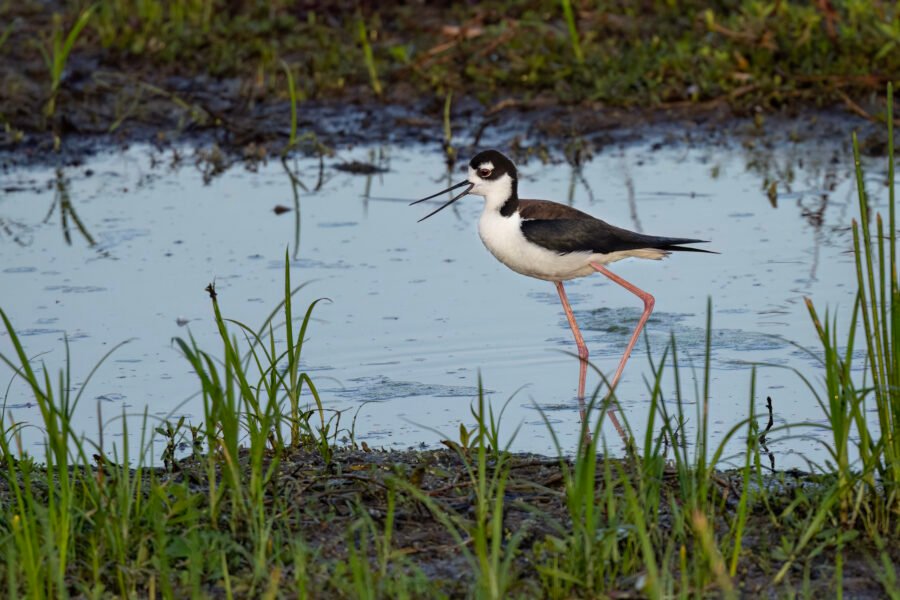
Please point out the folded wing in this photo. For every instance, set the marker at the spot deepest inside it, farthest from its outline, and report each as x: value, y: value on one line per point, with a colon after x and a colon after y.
x: 593, y: 235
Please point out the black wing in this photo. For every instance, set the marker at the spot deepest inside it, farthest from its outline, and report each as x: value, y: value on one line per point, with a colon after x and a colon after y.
x: 593, y: 235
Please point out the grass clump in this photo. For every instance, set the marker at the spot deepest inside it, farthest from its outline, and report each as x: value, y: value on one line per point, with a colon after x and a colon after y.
x: 57, y: 55
x: 870, y: 490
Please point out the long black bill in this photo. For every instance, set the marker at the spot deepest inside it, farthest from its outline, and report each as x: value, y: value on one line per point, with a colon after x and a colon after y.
x: 449, y: 202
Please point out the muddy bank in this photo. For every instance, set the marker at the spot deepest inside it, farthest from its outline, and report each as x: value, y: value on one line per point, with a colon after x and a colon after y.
x: 324, y: 504
x: 426, y: 504
x: 548, y: 134
x: 518, y: 76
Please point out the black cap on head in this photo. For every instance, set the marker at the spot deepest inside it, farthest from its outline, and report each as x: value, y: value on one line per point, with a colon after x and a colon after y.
x: 498, y: 159
x: 498, y: 167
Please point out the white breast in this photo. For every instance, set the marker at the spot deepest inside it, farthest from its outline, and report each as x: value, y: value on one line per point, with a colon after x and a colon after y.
x: 503, y: 237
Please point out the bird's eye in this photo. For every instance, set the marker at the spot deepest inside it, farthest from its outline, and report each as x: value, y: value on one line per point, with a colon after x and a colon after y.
x: 484, y: 173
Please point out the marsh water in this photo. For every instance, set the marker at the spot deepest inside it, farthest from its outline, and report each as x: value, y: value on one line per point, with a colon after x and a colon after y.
x: 122, y: 246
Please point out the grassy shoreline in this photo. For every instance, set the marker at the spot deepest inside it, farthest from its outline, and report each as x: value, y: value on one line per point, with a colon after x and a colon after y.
x: 129, y: 68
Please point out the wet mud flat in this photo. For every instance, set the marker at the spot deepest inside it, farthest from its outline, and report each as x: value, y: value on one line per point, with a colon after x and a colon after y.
x: 543, y: 131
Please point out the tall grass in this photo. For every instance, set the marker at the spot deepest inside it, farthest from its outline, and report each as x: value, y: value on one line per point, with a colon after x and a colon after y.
x: 42, y: 517
x: 569, y: 15
x: 637, y: 517
x: 362, y: 33
x: 869, y: 488
x: 879, y: 303
x: 75, y: 515
x: 449, y: 150
x: 57, y: 55
x: 292, y: 95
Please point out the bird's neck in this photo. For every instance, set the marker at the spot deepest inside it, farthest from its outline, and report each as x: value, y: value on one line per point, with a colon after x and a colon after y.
x: 502, y: 197
x: 509, y: 208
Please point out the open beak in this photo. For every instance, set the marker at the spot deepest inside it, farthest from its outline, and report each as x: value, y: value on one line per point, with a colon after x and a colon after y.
x: 449, y: 202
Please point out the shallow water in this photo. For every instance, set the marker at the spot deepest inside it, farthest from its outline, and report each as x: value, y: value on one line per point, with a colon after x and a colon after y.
x: 121, y: 248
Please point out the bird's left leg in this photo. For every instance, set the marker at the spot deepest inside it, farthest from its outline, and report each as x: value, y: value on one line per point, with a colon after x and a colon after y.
x: 648, y: 308
x: 582, y: 363
x: 579, y: 341
x: 582, y: 371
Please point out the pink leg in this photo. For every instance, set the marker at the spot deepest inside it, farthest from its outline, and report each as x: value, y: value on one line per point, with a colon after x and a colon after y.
x: 579, y: 341
x: 648, y: 308
x: 583, y: 355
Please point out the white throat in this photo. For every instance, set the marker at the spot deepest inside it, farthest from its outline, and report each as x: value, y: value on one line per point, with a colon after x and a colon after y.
x: 496, y: 192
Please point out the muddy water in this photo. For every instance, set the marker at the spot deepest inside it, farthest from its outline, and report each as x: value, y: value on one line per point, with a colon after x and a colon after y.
x: 121, y: 248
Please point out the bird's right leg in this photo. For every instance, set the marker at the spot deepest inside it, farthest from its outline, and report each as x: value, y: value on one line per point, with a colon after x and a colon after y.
x: 648, y: 301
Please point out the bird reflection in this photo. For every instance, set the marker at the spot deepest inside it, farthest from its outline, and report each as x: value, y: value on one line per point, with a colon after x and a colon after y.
x: 584, y: 409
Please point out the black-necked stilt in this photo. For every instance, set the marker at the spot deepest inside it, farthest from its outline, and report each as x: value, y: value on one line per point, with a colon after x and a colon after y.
x: 555, y: 242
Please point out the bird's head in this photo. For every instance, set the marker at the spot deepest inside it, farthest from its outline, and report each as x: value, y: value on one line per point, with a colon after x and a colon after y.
x: 491, y: 174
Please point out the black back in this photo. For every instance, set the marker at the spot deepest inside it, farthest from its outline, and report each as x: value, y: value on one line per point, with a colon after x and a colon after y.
x: 593, y: 235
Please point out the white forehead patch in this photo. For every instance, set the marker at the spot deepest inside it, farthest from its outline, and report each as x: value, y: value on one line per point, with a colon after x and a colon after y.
x: 486, y: 165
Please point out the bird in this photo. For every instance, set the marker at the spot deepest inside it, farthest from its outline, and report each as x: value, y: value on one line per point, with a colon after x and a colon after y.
x: 556, y: 243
